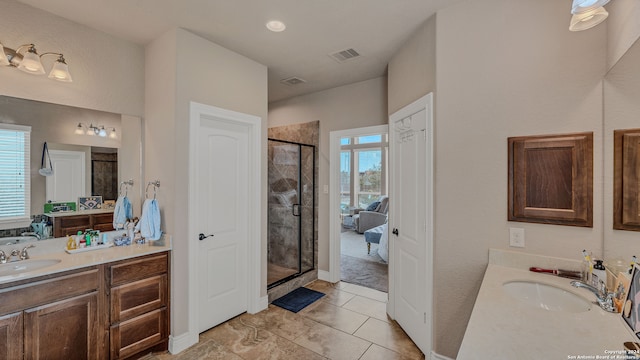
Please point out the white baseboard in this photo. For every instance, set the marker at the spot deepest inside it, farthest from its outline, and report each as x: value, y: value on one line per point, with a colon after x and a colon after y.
x: 324, y: 275
x: 259, y: 305
x: 435, y: 356
x: 182, y: 342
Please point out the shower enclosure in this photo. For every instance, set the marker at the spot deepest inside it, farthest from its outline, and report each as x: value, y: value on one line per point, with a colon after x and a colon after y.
x: 291, y: 212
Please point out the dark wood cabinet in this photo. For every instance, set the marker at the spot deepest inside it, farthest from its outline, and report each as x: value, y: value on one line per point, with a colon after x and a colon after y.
x: 11, y: 336
x: 139, y: 302
x: 117, y: 310
x: 626, y: 179
x: 551, y: 179
x: 70, y: 225
x: 66, y: 329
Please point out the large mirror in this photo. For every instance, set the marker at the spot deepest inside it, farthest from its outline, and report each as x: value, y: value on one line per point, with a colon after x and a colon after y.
x: 113, y: 158
x: 621, y: 111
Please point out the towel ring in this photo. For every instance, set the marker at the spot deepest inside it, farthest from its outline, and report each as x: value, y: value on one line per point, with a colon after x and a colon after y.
x: 126, y: 185
x: 156, y: 185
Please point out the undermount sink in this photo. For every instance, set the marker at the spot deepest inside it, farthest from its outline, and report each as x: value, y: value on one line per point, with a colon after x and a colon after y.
x: 22, y: 266
x: 547, y: 297
x: 17, y: 240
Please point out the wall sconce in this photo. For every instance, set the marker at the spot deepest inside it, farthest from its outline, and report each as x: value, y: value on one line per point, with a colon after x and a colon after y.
x: 30, y: 62
x: 587, y: 14
x: 93, y: 130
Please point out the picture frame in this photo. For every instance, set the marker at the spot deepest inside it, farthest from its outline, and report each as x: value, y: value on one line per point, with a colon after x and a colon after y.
x: 631, y: 307
x: 90, y: 203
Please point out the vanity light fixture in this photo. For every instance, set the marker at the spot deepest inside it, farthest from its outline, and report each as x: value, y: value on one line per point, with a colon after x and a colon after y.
x: 587, y: 14
x: 30, y: 62
x: 93, y: 130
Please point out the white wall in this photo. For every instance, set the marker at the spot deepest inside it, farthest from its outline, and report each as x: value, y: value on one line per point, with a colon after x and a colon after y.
x: 346, y: 107
x: 501, y: 72
x: 412, y: 70
x: 107, y: 72
x: 623, y: 28
x: 182, y: 67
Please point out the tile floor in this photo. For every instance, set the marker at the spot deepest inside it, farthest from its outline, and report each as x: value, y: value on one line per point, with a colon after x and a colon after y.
x: 349, y: 322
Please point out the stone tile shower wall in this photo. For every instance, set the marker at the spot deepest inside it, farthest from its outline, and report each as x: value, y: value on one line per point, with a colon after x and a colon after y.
x: 305, y: 133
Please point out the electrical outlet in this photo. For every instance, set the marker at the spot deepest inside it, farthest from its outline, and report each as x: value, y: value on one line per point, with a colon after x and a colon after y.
x: 516, y: 237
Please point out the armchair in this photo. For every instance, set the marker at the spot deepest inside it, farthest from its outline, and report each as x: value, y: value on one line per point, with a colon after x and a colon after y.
x: 366, y: 220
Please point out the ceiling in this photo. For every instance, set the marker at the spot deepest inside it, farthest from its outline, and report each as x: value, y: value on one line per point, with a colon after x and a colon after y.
x: 315, y: 29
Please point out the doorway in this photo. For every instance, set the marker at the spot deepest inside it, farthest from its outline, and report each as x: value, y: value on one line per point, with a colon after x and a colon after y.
x: 358, y: 183
x: 291, y: 210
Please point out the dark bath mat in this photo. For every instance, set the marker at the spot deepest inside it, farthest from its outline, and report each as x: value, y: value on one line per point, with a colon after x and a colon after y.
x: 298, y: 299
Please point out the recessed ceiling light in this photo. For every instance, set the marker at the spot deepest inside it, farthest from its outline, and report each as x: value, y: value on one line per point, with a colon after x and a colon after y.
x: 276, y: 26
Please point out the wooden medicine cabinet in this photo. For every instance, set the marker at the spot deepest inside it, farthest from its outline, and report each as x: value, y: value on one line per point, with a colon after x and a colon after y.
x: 551, y: 179
x: 626, y: 179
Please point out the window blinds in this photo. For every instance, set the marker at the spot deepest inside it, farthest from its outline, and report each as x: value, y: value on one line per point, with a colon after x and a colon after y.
x: 15, y: 182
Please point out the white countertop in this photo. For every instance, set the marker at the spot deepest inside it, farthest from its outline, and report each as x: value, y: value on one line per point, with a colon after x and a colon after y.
x: 502, y: 327
x: 54, y: 249
x: 79, y: 212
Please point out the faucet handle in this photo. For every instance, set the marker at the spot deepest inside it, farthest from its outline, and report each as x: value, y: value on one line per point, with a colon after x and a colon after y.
x: 24, y: 254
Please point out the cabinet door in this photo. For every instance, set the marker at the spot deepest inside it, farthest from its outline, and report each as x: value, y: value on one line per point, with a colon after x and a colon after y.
x: 65, y: 329
x: 142, y: 332
x: 11, y: 336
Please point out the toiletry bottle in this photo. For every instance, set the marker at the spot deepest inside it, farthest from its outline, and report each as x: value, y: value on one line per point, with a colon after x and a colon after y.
x: 79, y: 239
x: 71, y: 243
x: 87, y: 239
x: 587, y: 267
x: 599, y: 276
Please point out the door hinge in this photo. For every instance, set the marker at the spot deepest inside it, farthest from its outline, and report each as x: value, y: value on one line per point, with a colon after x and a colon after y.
x: 425, y: 317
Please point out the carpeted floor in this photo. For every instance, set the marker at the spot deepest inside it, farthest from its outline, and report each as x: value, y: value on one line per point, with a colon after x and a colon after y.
x: 358, y: 267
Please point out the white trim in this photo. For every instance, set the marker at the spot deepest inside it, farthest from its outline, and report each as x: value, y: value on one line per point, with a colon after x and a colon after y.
x: 436, y: 356
x: 182, y: 342
x: 324, y: 275
x: 334, y: 193
x: 424, y: 103
x: 254, y: 123
x: 259, y: 305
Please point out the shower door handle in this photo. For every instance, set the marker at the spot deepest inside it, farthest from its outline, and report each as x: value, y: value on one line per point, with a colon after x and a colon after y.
x: 295, y: 210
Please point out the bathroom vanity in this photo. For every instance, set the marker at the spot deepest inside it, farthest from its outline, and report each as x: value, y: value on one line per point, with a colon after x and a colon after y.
x: 563, y: 323
x: 104, y: 304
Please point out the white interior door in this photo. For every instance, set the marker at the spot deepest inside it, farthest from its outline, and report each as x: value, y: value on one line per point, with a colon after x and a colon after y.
x: 68, y: 180
x: 410, y: 221
x: 222, y: 180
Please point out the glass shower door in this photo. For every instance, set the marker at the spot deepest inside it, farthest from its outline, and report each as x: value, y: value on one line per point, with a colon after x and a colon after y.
x: 290, y: 249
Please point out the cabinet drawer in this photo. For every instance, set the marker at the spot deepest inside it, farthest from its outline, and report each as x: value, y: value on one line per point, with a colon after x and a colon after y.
x: 103, y: 227
x: 102, y: 219
x: 138, y: 297
x: 132, y: 336
x: 75, y: 221
x: 132, y: 270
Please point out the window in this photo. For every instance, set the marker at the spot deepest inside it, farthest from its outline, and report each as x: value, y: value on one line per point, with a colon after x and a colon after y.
x: 363, y: 174
x: 15, y: 182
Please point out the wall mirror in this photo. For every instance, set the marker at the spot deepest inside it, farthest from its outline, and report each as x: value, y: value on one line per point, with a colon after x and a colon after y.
x: 56, y: 124
x: 621, y: 112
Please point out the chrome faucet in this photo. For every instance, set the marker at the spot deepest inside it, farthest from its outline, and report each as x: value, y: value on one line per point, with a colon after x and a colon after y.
x: 35, y: 235
x: 24, y: 255
x: 604, y: 300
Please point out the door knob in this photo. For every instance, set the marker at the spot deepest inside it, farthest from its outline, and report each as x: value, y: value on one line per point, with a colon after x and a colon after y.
x: 395, y: 232
x: 203, y: 236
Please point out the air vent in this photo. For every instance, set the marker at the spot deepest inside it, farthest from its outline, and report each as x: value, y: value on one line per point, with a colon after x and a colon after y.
x: 294, y: 80
x: 345, y: 55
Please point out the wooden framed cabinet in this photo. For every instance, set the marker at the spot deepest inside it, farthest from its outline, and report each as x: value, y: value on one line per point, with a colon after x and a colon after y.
x: 52, y: 317
x: 70, y: 225
x: 139, y: 303
x: 116, y: 310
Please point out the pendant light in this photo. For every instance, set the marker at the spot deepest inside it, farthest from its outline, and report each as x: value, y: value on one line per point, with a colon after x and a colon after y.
x: 587, y: 14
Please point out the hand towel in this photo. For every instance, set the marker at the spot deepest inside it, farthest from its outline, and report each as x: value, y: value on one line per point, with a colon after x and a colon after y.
x: 149, y: 224
x: 122, y: 212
